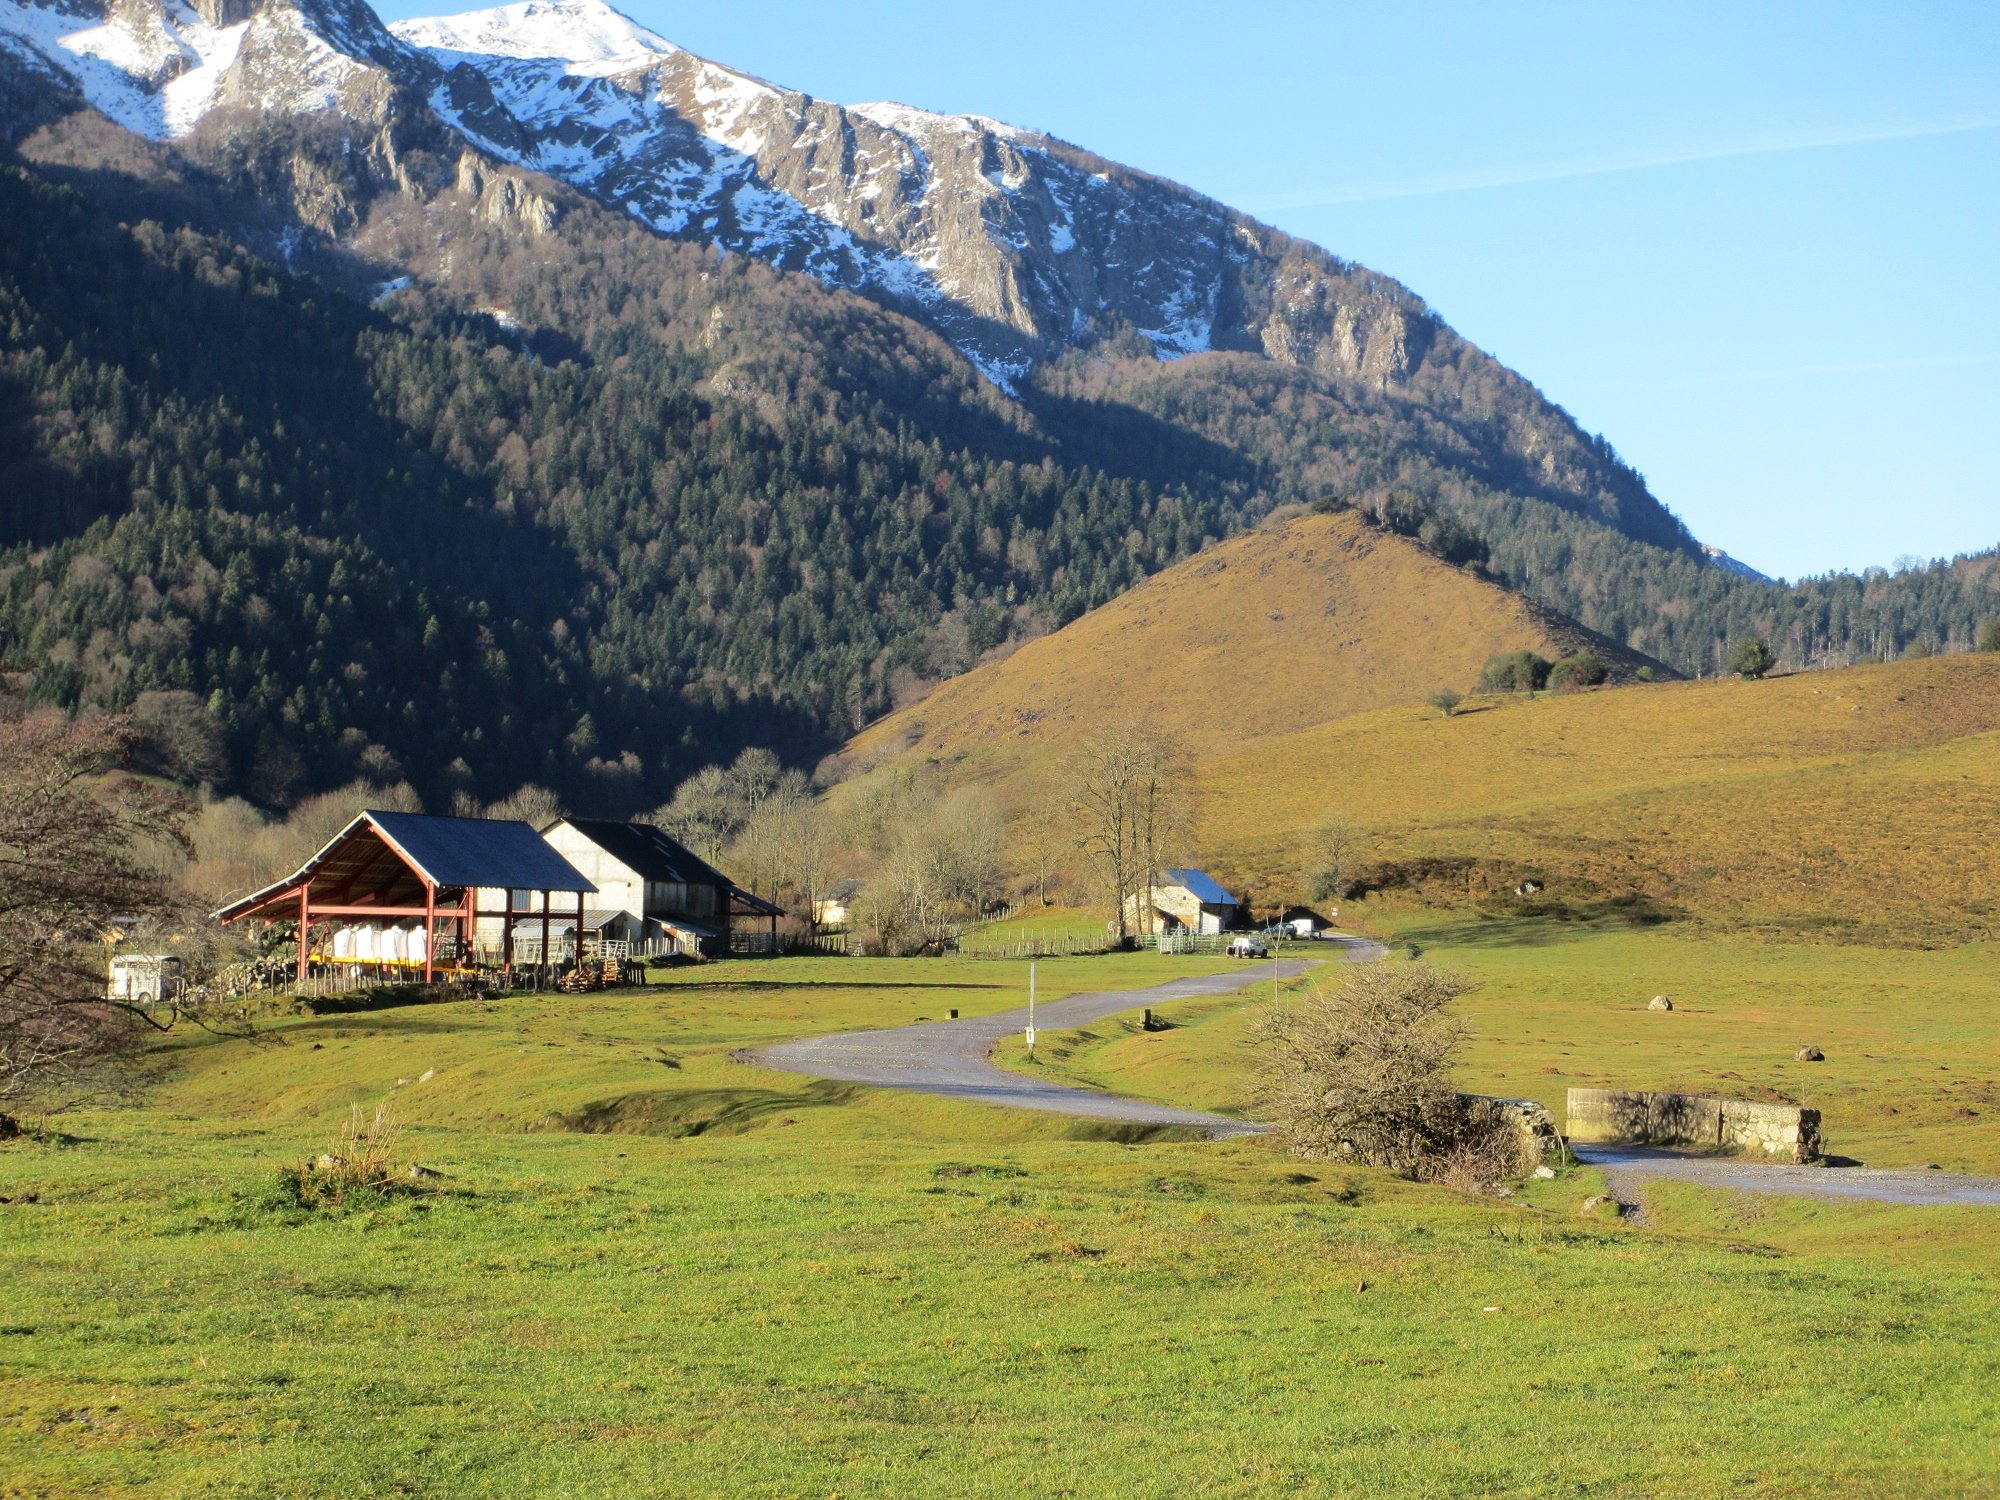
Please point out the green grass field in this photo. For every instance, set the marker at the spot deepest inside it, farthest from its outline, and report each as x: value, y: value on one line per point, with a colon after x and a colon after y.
x: 654, y: 1269
x: 1912, y: 1037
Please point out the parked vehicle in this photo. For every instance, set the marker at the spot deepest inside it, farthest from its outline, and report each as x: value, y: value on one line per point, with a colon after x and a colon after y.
x: 1249, y: 945
x: 144, y: 978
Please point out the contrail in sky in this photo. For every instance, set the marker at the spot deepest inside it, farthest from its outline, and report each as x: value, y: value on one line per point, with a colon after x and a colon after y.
x: 1476, y: 179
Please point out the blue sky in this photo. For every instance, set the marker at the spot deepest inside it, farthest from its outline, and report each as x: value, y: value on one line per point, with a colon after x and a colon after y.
x: 1756, y: 246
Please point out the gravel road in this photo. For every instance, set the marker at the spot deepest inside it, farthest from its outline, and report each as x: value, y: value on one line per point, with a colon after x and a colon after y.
x: 950, y: 1057
x: 1628, y: 1168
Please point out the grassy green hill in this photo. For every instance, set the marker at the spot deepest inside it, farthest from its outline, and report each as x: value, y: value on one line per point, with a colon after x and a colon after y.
x: 1855, y: 802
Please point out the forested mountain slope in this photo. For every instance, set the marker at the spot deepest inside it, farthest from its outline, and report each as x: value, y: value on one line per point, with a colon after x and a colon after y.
x: 362, y: 536
x: 326, y: 412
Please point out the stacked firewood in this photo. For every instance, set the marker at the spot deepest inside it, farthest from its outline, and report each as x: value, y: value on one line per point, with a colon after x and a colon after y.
x: 590, y: 976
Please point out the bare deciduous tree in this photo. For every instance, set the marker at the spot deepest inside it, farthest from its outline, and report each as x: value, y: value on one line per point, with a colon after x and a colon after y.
x: 530, y: 804
x: 752, y: 777
x: 942, y: 868
x: 699, y: 814
x: 1329, y: 851
x: 1044, y: 840
x: 1128, y: 794
x: 83, y: 850
x: 1363, y: 1067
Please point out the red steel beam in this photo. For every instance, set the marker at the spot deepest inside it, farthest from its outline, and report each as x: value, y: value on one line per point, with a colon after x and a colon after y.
x: 369, y: 911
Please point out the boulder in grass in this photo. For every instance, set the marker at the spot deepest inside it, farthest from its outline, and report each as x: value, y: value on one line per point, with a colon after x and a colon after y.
x: 1660, y: 1002
x: 1810, y: 1053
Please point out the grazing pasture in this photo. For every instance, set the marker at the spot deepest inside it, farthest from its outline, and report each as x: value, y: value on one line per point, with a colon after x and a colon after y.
x: 650, y: 1268
x: 1860, y: 805
x: 1912, y: 1038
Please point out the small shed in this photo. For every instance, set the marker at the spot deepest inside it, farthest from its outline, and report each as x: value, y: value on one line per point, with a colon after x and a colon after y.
x: 421, y: 876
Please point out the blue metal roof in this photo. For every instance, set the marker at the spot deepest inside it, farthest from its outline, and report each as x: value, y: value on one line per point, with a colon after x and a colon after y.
x: 1200, y: 885
x: 490, y: 852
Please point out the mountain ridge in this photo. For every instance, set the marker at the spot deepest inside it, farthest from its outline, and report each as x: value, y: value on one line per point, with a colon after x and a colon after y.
x: 1018, y: 247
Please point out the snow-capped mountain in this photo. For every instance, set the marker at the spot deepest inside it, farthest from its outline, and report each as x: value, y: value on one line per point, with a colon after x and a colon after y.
x: 1013, y: 244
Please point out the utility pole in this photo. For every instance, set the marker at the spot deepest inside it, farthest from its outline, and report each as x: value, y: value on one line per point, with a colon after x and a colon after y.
x: 1031, y: 1010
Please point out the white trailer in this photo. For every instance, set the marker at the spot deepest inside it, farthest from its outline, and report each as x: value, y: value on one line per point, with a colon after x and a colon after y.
x: 144, y: 978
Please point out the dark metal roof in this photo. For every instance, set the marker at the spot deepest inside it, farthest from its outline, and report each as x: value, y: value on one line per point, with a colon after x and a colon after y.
x: 479, y: 852
x: 649, y: 853
x: 653, y: 855
x: 1199, y: 884
x: 384, y: 859
x: 742, y: 903
x: 595, y: 919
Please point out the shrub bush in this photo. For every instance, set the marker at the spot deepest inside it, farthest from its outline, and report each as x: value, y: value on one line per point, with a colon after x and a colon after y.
x: 360, y: 1163
x: 1514, y: 672
x: 1750, y: 658
x: 1584, y: 669
x: 1362, y: 1069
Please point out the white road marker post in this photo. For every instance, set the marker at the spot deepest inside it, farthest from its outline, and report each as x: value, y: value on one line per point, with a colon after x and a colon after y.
x: 1031, y: 1010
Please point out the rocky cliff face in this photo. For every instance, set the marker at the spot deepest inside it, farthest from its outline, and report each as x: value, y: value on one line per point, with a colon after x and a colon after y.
x: 1013, y: 244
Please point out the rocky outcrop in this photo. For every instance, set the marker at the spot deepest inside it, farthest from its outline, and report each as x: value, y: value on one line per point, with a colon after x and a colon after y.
x: 220, y: 13
x: 1015, y: 245
x: 503, y: 199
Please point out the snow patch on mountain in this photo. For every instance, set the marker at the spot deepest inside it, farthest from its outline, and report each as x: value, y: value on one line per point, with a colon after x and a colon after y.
x: 577, y: 32
x: 1010, y: 244
x: 1728, y: 564
x: 157, y: 70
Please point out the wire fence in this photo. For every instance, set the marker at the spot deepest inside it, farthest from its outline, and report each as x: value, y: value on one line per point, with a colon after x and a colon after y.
x: 1035, y: 945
